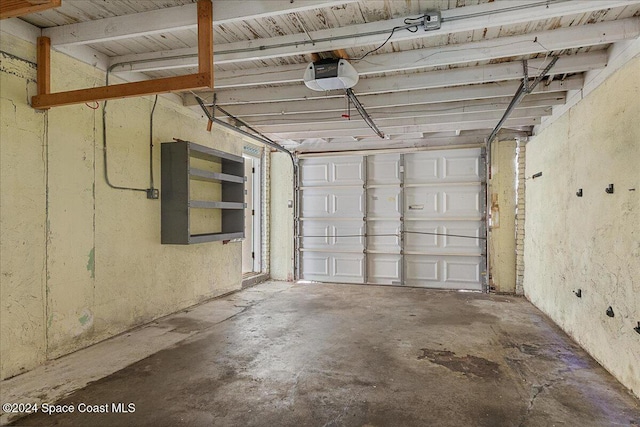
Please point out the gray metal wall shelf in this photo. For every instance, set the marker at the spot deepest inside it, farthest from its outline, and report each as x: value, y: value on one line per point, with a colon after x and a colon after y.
x: 177, y: 173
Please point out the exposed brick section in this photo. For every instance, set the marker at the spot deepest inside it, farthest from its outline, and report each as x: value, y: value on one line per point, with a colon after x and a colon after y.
x: 520, y: 216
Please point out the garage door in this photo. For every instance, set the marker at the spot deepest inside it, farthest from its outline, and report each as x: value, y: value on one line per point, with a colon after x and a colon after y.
x: 414, y: 219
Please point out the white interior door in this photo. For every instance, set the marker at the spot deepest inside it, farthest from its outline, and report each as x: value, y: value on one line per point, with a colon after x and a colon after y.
x: 252, y: 243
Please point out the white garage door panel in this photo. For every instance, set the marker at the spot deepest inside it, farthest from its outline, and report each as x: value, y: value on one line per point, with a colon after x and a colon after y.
x: 383, y: 236
x: 332, y: 203
x: 348, y: 268
x: 315, y: 265
x: 421, y: 168
x: 330, y: 235
x: 333, y: 267
x: 444, y: 272
x: 384, y: 202
x: 383, y: 169
x: 422, y: 202
x: 463, y: 201
x: 314, y: 174
x: 332, y: 171
x: 444, y: 201
x: 440, y: 237
x: 444, y: 166
x: 384, y: 269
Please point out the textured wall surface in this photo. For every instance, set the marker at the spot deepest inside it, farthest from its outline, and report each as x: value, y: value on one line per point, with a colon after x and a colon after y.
x: 281, y: 217
x: 80, y: 261
x: 502, y: 245
x: 590, y: 243
x: 22, y: 217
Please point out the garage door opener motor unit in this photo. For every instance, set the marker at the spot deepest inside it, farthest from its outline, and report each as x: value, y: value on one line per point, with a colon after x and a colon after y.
x: 330, y: 74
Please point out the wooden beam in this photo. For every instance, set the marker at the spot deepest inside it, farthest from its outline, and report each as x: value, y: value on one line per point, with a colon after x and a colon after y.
x: 172, y: 19
x: 388, y: 121
x: 126, y: 90
x: 363, y: 36
x: 399, y: 130
x: 341, y: 54
x: 416, y: 110
x: 413, y: 97
x: 414, y: 59
x: 205, y: 38
x: 426, y: 80
x: 44, y: 65
x: 201, y: 80
x: 14, y: 8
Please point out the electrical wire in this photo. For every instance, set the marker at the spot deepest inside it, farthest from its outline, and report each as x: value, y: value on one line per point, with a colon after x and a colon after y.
x: 408, y: 25
x: 104, y: 147
x: 153, y: 109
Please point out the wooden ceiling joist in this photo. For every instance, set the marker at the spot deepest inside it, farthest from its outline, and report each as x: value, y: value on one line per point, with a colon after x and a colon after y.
x: 15, y: 8
x: 203, y: 79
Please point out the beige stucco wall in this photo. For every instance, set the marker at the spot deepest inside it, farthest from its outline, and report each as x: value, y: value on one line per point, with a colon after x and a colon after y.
x: 590, y: 243
x: 80, y: 261
x: 281, y: 227
x: 502, y: 204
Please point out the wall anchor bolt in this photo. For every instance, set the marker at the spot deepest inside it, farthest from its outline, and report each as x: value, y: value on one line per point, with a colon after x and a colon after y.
x: 609, y: 189
x: 610, y: 312
x: 637, y: 328
x: 578, y: 293
x: 579, y: 192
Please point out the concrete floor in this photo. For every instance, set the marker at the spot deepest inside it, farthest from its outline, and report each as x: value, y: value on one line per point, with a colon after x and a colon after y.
x: 329, y: 355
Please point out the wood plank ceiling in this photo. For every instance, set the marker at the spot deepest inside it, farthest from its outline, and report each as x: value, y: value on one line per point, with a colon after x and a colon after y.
x: 447, y: 86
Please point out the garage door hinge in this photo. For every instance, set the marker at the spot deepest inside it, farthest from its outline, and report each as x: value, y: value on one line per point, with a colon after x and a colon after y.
x: 253, y: 170
x: 253, y: 255
x: 253, y: 212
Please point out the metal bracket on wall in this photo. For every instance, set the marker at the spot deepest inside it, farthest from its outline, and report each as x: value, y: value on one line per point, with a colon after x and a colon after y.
x: 637, y: 328
x: 610, y: 312
x: 578, y: 293
x: 579, y: 192
x: 609, y: 189
x: 153, y: 193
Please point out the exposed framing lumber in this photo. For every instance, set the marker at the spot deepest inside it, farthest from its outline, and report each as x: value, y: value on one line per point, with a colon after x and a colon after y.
x: 493, y: 14
x: 386, y: 100
x: 44, y: 65
x: 425, y: 80
x: 15, y: 8
x: 407, y: 129
x: 201, y: 80
x: 172, y: 19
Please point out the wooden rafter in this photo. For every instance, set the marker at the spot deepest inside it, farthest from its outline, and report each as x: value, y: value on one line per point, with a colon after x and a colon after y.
x: 14, y: 8
x: 203, y: 79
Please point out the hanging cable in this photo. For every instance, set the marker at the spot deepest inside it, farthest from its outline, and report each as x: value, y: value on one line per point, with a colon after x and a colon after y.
x: 409, y: 26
